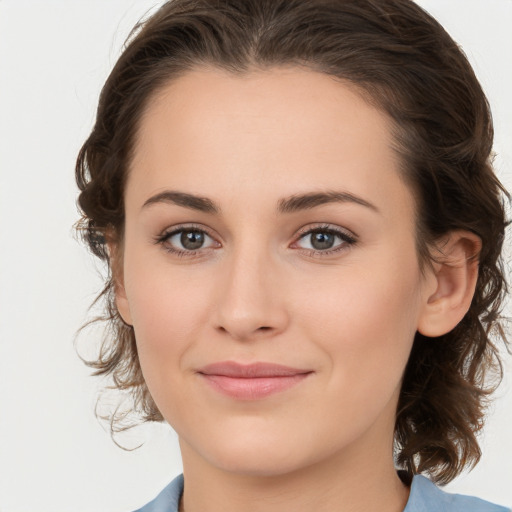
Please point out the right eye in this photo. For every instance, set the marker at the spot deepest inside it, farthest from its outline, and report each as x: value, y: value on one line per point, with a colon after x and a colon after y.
x: 187, y: 241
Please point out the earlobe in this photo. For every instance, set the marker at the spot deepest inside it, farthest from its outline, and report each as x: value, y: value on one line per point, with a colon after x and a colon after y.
x: 454, y: 273
x: 122, y: 304
x: 115, y: 259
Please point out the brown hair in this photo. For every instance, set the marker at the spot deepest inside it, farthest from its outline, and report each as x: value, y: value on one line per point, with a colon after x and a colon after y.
x: 406, y: 64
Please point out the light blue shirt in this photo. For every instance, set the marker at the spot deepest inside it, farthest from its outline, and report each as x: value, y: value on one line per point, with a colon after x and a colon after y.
x: 424, y: 497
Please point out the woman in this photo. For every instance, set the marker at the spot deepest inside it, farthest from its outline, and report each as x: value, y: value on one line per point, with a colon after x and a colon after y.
x: 298, y: 208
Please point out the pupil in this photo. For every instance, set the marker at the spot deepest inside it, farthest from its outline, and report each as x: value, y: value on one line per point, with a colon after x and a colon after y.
x: 192, y: 239
x: 322, y: 240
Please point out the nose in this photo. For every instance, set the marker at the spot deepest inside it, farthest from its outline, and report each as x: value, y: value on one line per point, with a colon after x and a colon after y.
x: 251, y: 299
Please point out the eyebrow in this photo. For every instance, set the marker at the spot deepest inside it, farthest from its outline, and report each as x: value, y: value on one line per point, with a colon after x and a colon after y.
x: 311, y: 200
x: 291, y: 204
x: 198, y: 203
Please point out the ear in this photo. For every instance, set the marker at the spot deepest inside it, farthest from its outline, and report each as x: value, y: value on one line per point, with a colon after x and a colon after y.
x: 454, y: 276
x: 115, y: 255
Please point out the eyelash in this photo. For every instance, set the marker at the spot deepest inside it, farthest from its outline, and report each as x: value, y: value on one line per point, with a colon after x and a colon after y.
x: 167, y: 235
x: 347, y: 240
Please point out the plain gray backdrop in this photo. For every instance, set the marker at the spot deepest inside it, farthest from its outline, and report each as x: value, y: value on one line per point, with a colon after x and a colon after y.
x: 54, y: 455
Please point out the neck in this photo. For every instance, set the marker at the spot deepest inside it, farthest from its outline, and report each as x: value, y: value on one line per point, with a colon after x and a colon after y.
x: 345, y: 482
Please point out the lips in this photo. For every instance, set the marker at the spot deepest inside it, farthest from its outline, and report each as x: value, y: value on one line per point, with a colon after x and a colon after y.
x: 251, y: 382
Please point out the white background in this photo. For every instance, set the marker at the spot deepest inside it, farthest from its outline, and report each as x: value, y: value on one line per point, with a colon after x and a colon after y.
x: 54, y: 455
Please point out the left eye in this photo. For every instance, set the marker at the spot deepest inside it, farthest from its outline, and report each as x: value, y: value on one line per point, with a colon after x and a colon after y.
x: 324, y: 240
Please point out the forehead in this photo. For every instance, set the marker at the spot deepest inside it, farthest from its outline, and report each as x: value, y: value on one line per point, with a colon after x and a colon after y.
x: 281, y: 130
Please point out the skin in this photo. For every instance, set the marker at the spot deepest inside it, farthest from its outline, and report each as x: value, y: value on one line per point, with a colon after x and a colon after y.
x: 258, y: 291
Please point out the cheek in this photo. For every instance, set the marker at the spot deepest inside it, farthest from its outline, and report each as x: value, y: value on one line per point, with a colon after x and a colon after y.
x: 167, y: 319
x: 169, y: 307
x: 365, y: 322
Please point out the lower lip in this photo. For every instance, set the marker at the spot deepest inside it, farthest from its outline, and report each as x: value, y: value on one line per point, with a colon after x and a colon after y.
x: 253, y: 388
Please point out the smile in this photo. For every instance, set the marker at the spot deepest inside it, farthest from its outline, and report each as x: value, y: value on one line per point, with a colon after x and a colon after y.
x: 251, y: 382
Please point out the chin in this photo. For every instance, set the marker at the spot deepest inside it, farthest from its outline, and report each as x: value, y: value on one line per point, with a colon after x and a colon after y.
x: 258, y: 465
x: 259, y: 454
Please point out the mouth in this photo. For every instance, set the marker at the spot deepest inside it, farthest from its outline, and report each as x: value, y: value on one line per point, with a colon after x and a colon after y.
x: 251, y: 382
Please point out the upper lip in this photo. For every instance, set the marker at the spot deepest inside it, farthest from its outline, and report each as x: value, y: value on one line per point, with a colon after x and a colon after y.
x: 253, y: 370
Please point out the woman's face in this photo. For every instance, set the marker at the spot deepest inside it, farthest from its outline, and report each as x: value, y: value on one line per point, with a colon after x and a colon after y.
x: 267, y: 224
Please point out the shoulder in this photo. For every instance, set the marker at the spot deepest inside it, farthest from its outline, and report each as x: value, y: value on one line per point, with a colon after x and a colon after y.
x: 168, y: 500
x: 426, y: 496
